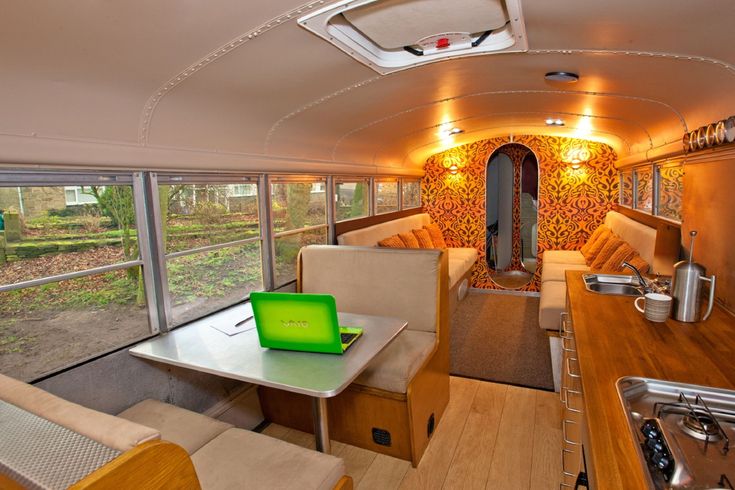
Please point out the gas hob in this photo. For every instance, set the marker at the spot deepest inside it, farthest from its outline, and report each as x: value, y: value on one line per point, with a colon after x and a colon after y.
x: 684, y: 432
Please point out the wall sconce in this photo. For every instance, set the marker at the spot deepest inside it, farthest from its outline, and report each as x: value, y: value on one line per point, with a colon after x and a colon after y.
x: 452, y: 164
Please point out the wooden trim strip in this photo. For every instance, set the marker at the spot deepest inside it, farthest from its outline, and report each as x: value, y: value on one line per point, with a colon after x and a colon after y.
x: 646, y: 219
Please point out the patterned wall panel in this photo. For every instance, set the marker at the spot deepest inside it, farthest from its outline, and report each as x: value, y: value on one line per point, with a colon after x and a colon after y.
x: 572, y: 203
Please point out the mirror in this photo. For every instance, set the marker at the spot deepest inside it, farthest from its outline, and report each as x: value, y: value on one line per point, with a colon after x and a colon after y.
x: 511, y: 205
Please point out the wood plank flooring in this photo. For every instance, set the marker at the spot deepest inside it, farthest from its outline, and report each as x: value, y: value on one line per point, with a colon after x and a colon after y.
x: 492, y: 436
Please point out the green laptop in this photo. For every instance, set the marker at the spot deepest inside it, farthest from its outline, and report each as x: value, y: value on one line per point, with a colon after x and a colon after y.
x: 300, y: 321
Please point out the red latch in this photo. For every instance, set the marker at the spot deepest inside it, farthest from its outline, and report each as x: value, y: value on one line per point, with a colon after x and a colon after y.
x: 442, y: 42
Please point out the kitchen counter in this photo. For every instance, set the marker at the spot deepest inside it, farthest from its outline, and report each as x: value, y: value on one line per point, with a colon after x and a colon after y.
x: 613, y: 340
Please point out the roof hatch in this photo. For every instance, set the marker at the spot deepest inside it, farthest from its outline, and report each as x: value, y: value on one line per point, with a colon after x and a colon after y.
x: 389, y: 35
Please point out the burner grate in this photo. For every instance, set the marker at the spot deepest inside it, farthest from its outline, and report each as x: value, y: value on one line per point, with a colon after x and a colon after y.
x: 699, y: 421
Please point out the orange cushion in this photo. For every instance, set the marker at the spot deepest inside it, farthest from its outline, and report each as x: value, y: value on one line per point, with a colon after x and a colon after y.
x: 593, y: 237
x: 424, y: 238
x: 410, y: 240
x: 436, y: 235
x: 610, y: 247
x: 595, y: 248
x: 639, y: 263
x: 624, y: 252
x: 393, y: 241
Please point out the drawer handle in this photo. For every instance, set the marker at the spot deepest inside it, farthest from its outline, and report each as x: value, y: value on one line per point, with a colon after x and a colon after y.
x: 564, y: 432
x: 566, y: 401
x: 564, y: 345
x: 569, y: 368
x: 564, y: 465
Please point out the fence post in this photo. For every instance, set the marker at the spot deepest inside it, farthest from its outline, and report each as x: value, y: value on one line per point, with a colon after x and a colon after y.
x: 12, y: 226
x: 3, y: 259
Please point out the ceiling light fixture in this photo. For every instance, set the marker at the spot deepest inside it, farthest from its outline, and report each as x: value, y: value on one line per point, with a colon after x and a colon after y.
x: 445, y: 133
x: 561, y: 76
x: 554, y: 122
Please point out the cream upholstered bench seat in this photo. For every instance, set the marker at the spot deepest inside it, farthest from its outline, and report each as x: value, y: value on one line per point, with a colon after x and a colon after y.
x: 239, y: 458
x: 395, y: 404
x: 460, y: 259
x: 67, y: 445
x: 220, y: 456
x: 642, y: 238
x: 188, y: 429
x: 229, y: 458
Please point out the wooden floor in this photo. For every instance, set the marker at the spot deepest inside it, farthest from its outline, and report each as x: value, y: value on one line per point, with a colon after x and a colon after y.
x: 492, y: 436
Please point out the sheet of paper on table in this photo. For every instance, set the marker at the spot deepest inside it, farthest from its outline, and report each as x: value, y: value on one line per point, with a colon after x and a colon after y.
x: 236, y: 321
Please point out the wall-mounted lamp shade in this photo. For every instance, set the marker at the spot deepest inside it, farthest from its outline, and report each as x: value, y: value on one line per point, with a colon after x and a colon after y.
x: 561, y: 76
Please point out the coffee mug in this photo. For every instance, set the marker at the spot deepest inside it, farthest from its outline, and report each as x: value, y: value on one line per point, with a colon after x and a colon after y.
x: 656, y: 306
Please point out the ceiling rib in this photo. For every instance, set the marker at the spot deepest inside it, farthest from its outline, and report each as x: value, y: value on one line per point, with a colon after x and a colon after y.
x: 508, y: 92
x: 407, y: 154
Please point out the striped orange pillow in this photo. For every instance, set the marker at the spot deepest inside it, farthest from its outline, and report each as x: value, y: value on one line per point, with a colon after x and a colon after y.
x: 610, y: 247
x: 410, y: 240
x: 393, y: 241
x: 614, y: 263
x: 595, y: 248
x: 436, y: 235
x: 591, y: 240
x: 424, y: 238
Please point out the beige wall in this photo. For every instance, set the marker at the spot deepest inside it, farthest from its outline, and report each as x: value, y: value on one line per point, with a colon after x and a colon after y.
x: 709, y: 209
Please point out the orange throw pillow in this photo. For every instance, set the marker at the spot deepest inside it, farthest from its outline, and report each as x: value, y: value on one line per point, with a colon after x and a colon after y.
x: 593, y: 250
x: 614, y: 263
x: 639, y: 263
x: 410, y: 240
x: 393, y: 241
x: 610, y: 247
x: 436, y: 235
x: 593, y: 237
x: 424, y: 238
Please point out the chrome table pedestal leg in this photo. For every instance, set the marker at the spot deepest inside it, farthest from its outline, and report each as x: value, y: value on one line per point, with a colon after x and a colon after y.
x: 321, y: 427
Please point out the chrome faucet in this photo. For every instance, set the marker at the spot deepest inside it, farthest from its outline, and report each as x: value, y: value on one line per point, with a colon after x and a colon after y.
x: 641, y: 281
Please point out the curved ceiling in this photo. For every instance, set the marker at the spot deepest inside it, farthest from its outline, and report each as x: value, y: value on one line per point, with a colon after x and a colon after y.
x: 240, y: 85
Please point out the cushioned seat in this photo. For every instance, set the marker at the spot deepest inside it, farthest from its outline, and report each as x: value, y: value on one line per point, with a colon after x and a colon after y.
x: 460, y: 261
x: 188, y: 429
x: 551, y: 304
x: 106, y: 429
x: 556, y: 272
x: 395, y: 366
x: 563, y: 257
x: 239, y: 459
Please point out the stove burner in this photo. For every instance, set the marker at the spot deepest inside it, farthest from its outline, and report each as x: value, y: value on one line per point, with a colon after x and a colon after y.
x: 701, y: 426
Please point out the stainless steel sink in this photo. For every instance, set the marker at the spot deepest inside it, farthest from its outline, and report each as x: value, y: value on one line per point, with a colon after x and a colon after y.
x: 622, y: 285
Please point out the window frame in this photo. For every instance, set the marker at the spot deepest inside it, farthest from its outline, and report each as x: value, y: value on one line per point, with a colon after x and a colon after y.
x: 149, y: 223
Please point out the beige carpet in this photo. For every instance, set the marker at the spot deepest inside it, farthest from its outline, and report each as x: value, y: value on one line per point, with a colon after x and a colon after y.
x: 496, y: 337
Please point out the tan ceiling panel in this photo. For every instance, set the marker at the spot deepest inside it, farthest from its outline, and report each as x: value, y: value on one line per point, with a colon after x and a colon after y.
x: 243, y: 78
x: 695, y: 28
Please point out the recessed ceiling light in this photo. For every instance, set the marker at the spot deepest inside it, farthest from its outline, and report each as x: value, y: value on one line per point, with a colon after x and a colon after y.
x: 561, y: 76
x: 554, y: 122
x: 450, y: 132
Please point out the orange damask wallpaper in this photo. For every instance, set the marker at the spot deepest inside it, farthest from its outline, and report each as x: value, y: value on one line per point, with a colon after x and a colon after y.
x: 572, y: 203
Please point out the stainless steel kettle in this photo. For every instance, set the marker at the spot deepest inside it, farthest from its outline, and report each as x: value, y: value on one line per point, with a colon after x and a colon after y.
x: 686, y: 288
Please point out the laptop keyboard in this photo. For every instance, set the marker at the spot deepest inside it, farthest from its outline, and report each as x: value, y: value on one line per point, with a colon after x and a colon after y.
x: 347, y: 337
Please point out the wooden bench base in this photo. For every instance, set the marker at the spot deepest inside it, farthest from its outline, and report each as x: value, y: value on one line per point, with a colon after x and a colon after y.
x: 364, y: 417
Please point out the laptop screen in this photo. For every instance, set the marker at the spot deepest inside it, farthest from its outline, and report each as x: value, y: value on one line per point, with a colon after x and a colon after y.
x: 296, y: 321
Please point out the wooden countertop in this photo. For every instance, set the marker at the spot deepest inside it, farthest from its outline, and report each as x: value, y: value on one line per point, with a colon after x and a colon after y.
x: 613, y: 340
